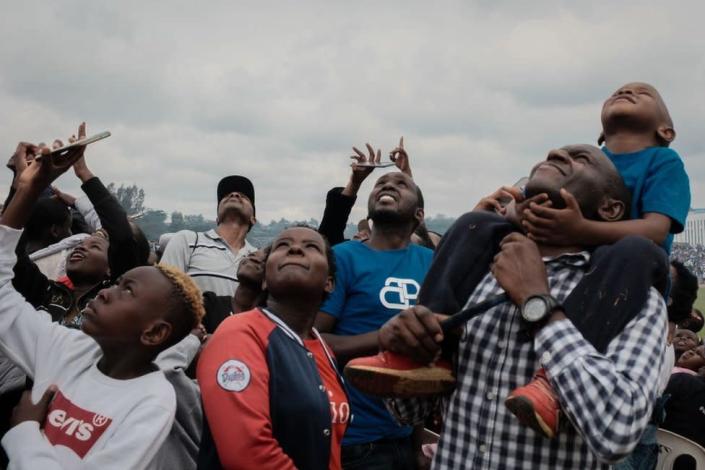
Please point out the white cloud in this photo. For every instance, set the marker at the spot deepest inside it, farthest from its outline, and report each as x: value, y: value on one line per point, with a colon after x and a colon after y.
x: 280, y: 91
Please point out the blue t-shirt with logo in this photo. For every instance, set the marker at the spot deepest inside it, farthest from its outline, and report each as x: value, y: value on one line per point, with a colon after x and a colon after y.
x: 371, y: 287
x: 658, y: 182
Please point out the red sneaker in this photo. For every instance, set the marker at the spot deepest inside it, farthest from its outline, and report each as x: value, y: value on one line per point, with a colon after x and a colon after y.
x: 390, y: 375
x: 536, y: 405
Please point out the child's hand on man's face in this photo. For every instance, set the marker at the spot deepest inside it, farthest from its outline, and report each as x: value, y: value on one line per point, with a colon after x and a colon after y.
x: 550, y: 226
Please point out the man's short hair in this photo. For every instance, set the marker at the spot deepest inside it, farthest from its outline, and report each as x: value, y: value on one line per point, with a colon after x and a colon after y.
x: 47, y: 212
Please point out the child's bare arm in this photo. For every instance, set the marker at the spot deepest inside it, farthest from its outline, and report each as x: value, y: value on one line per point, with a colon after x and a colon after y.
x: 653, y: 226
x: 568, y: 226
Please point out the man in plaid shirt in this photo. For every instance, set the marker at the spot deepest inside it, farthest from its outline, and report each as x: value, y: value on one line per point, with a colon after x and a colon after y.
x: 607, y: 394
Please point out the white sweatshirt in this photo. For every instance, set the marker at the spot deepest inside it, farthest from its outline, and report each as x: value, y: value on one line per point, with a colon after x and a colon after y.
x: 94, y: 421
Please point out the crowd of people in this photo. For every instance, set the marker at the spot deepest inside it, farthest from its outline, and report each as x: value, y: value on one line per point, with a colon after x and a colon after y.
x: 546, y: 328
x: 691, y: 255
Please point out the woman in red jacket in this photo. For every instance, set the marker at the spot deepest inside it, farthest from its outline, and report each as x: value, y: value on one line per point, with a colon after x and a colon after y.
x: 271, y: 391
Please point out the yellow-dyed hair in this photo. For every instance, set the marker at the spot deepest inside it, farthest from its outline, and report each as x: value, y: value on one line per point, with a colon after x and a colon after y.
x: 188, y: 292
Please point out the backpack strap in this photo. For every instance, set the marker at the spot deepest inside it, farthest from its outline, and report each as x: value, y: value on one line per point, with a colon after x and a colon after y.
x: 195, y: 244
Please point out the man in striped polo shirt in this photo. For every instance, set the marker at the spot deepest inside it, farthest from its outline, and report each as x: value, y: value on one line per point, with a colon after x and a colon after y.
x: 211, y: 258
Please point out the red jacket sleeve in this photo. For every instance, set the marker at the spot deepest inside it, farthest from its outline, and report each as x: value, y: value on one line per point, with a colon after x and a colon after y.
x: 234, y: 380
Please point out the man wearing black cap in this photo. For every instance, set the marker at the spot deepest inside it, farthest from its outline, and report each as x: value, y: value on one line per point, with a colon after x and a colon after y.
x: 212, y: 257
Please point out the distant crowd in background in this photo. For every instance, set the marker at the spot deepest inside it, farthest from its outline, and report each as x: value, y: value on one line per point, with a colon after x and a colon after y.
x: 692, y: 256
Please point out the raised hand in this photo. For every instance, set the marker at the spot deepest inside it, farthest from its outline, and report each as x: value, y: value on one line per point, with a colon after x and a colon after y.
x: 401, y: 158
x: 80, y: 168
x: 361, y: 168
x: 46, y: 167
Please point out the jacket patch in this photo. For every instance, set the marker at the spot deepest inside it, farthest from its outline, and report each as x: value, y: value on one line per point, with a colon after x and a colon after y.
x: 233, y: 376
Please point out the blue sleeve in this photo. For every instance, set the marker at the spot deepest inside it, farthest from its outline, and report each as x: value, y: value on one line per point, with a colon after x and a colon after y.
x: 667, y: 189
x: 335, y: 302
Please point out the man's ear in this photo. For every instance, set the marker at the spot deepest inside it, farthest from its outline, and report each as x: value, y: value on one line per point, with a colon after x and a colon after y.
x: 601, y: 138
x: 330, y: 285
x: 611, y: 210
x: 419, y: 216
x: 667, y: 134
x: 55, y: 232
x: 156, y: 333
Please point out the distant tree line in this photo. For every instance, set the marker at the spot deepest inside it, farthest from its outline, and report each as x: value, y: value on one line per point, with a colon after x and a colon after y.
x: 154, y: 221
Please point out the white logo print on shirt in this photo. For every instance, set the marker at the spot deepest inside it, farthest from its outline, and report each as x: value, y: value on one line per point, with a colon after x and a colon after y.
x: 398, y: 293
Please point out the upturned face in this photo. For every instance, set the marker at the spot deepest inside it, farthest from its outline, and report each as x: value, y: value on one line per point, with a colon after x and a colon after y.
x: 251, y: 268
x: 119, y: 314
x: 298, y: 264
x: 692, y: 359
x: 89, y: 259
x: 684, y: 340
x: 393, y: 197
x: 640, y: 102
x: 235, y: 203
x: 580, y: 169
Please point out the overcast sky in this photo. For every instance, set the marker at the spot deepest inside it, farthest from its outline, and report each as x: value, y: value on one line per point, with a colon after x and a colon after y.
x: 280, y: 91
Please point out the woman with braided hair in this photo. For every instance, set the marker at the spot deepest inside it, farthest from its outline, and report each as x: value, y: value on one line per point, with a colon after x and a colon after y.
x: 98, y: 399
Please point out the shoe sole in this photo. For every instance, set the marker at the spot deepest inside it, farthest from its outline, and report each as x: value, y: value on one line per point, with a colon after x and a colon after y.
x: 522, y: 408
x: 388, y: 383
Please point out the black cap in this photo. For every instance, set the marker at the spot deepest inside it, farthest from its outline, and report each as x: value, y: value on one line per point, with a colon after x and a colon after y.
x: 236, y: 184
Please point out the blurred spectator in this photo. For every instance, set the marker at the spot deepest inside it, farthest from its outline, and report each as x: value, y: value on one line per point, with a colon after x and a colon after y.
x: 684, y: 291
x: 685, y: 340
x: 212, y: 257
x: 694, y: 322
x: 692, y: 256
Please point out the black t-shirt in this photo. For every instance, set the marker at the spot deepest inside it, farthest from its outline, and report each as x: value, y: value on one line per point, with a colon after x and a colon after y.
x: 685, y: 410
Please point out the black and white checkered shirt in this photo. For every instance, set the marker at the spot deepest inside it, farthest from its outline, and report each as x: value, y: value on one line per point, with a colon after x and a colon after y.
x: 607, y: 397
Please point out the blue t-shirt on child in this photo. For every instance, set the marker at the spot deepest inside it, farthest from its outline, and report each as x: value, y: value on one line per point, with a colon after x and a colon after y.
x: 658, y: 182
x: 371, y: 287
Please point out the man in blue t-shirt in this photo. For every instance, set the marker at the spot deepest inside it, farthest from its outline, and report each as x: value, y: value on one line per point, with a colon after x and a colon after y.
x: 375, y: 280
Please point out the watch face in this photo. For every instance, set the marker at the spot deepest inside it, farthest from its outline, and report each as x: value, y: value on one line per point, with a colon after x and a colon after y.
x: 534, y: 309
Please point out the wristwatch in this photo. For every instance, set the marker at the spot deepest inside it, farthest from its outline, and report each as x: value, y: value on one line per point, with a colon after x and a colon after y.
x: 538, y: 307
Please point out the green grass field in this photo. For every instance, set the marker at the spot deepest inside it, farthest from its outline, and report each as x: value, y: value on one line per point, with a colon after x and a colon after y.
x: 700, y: 305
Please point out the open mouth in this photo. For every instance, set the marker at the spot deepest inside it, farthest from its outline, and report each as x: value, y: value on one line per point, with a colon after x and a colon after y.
x: 77, y: 256
x: 387, y: 197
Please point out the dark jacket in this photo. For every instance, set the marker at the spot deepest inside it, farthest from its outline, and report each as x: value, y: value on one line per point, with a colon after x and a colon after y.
x: 335, y: 215
x: 218, y: 308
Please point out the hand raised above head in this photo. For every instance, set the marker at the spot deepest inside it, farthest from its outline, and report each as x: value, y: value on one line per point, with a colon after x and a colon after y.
x: 360, y: 167
x: 401, y: 158
x: 80, y: 168
x: 46, y: 166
